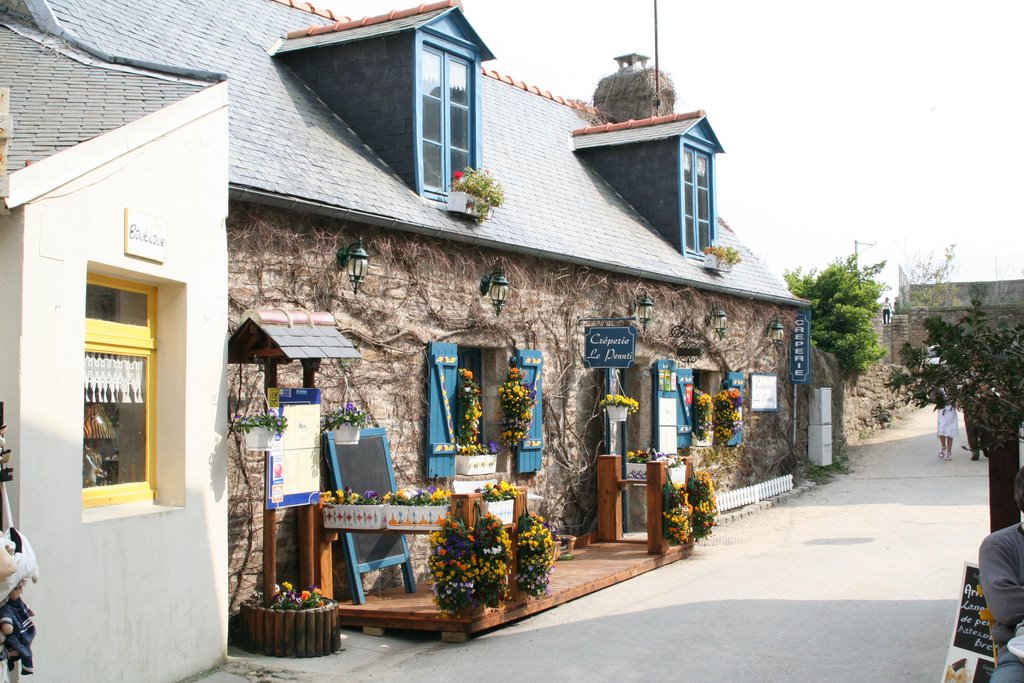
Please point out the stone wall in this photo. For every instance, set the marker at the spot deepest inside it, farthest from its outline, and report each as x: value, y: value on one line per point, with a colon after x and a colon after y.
x: 421, y: 289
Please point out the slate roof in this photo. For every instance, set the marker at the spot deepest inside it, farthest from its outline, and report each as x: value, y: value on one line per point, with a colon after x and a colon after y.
x: 81, y: 99
x: 289, y: 149
x: 268, y: 334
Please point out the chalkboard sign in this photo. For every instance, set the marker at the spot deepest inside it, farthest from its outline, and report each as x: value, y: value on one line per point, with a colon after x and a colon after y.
x: 764, y: 392
x: 362, y: 467
x: 970, y: 652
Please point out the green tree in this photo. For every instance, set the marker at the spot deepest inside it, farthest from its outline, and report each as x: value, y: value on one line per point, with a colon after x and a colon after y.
x: 843, y: 300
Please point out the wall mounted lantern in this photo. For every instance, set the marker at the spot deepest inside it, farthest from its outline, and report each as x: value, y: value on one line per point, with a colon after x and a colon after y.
x: 495, y: 286
x: 644, y: 310
x: 775, y: 331
x: 718, y: 321
x: 354, y: 260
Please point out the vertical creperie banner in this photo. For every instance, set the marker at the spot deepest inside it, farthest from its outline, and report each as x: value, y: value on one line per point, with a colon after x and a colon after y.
x: 800, y: 349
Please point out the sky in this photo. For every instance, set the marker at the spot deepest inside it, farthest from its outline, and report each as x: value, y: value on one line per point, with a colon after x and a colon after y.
x: 890, y: 127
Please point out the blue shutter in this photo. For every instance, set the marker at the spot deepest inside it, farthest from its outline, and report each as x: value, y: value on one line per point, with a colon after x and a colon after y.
x: 734, y: 380
x: 684, y: 406
x: 442, y: 373
x: 661, y: 383
x: 530, y: 452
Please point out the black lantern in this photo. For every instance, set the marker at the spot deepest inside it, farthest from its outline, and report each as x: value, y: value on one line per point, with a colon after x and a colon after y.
x: 495, y: 286
x: 354, y: 260
x: 775, y: 331
x: 718, y: 321
x: 644, y: 310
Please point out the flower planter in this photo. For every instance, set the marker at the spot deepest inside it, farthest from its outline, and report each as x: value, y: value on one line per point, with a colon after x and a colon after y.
x: 636, y: 471
x: 363, y: 517
x: 414, y: 517
x: 677, y: 475
x: 616, y: 413
x: 476, y: 464
x: 259, y: 439
x: 289, y: 633
x: 702, y: 443
x: 711, y: 262
x: 460, y: 202
x: 502, y: 509
x: 346, y: 435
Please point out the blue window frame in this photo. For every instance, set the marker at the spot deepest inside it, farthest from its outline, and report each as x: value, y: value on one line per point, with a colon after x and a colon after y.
x: 698, y: 199
x: 447, y: 119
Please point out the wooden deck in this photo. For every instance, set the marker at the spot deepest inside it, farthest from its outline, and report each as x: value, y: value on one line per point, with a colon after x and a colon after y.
x: 594, y: 567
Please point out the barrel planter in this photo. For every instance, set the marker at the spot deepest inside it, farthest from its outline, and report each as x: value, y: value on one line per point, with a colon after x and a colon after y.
x: 289, y: 633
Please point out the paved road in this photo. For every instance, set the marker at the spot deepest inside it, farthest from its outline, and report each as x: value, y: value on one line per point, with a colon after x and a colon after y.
x: 855, y: 580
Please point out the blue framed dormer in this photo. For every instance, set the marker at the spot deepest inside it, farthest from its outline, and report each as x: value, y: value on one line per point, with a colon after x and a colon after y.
x: 407, y: 84
x: 698, y: 197
x: 448, y: 120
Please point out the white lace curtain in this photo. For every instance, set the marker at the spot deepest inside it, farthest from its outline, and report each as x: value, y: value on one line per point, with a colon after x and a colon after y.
x: 114, y: 379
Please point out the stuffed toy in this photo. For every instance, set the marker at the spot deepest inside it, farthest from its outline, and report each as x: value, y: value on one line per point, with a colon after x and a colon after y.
x: 23, y: 558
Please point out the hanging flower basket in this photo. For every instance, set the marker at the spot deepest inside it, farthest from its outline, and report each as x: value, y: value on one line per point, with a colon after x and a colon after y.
x: 259, y: 439
x: 346, y: 434
x: 616, y: 413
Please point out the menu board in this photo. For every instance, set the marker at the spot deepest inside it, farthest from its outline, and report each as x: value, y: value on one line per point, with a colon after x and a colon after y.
x: 764, y: 391
x: 293, y: 464
x: 970, y: 650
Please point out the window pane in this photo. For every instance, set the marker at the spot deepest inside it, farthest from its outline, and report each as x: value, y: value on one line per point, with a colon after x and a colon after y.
x: 458, y: 75
x: 459, y: 127
x: 430, y: 76
x: 687, y: 167
x: 460, y: 160
x: 115, y: 305
x: 688, y: 199
x: 702, y: 171
x: 431, y: 120
x: 432, y: 166
x: 689, y: 233
x: 114, y: 440
x: 702, y: 204
x: 705, y: 234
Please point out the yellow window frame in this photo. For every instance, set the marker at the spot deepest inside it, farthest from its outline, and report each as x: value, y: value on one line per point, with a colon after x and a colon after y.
x: 102, y: 336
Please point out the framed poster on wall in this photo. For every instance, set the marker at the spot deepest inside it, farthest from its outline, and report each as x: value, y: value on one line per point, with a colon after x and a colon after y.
x: 764, y: 391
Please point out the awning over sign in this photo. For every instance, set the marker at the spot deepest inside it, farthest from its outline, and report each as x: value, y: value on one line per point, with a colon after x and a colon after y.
x: 287, y: 335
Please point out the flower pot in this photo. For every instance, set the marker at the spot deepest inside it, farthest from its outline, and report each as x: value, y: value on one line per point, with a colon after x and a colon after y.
x: 476, y: 464
x: 362, y: 517
x: 289, y: 633
x: 677, y: 474
x: 460, y: 202
x: 414, y: 517
x: 702, y: 442
x: 712, y: 262
x: 565, y: 545
x: 502, y: 509
x: 346, y: 435
x: 636, y: 471
x: 616, y: 413
x: 259, y: 439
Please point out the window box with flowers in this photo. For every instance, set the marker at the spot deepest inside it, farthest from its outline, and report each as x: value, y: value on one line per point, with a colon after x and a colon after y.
x: 721, y: 259
x: 295, y: 624
x: 500, y: 500
x: 703, y: 419
x: 345, y: 424
x: 350, y: 510
x: 475, y: 193
x: 260, y: 430
x: 617, y: 406
x: 636, y: 465
x: 422, y: 509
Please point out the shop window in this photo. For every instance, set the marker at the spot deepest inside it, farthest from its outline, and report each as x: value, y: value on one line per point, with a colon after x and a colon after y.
x: 118, y: 392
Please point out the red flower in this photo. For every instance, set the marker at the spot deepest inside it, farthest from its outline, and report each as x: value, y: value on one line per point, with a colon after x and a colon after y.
x: 458, y: 175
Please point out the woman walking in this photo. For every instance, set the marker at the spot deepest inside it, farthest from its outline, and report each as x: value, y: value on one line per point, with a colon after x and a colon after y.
x: 946, y: 430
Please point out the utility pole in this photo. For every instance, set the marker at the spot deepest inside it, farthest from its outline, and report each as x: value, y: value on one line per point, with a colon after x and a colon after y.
x: 856, y: 250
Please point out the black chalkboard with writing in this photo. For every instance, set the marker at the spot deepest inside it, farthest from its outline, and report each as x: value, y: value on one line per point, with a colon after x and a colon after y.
x: 362, y: 467
x: 972, y: 632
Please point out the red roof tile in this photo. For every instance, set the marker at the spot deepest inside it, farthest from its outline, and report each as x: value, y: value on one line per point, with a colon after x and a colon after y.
x: 370, y: 21
x: 633, y: 123
x: 537, y: 91
x: 306, y: 7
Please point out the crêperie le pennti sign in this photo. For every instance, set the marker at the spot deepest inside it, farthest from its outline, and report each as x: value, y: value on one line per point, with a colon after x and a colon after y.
x: 609, y: 347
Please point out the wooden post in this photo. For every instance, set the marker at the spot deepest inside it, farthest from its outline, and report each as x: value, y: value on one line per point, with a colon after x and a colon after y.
x: 269, y: 515
x: 306, y: 515
x: 518, y: 511
x: 609, y: 498
x: 656, y: 543
x: 325, y: 560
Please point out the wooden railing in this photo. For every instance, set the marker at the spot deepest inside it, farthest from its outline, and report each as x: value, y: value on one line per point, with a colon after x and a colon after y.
x: 609, y: 501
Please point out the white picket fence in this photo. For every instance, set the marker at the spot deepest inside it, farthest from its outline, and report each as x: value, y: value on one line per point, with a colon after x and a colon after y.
x: 747, y: 495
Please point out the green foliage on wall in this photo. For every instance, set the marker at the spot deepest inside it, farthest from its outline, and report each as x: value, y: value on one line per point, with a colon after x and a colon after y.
x: 843, y: 305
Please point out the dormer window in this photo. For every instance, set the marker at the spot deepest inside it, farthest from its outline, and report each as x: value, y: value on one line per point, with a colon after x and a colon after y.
x: 446, y: 118
x: 697, y: 193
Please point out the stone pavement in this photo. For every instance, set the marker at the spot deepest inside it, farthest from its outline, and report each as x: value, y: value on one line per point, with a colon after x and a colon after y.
x: 852, y: 580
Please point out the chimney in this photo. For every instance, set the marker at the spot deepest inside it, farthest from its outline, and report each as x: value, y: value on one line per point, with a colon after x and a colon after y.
x: 630, y: 92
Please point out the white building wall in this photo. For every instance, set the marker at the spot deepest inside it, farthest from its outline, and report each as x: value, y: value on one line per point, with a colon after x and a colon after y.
x: 134, y: 592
